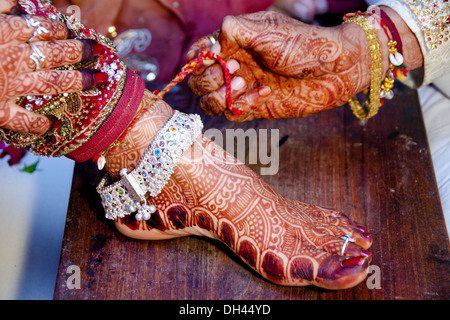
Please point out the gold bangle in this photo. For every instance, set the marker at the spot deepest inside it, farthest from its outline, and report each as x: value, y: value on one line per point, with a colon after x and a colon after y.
x: 373, y: 103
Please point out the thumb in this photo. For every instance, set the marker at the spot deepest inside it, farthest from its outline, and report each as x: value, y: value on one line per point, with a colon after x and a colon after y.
x: 11, y: 7
x: 16, y: 118
x: 233, y: 36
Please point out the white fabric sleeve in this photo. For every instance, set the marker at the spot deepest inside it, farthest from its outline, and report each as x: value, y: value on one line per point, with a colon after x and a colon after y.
x: 429, y: 21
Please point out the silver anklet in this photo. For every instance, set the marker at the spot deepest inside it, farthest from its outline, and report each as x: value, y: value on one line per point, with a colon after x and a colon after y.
x: 128, y: 195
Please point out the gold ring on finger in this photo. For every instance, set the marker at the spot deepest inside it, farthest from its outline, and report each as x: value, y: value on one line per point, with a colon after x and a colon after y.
x: 212, y: 39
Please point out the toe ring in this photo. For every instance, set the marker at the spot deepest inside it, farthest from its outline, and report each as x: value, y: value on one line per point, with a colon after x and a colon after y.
x: 347, y: 239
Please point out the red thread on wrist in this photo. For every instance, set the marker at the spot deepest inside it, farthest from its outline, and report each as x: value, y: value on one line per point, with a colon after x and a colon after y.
x: 387, y: 22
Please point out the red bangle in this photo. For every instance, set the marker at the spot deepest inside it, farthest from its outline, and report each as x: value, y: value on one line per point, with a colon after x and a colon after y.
x: 117, y: 122
x: 393, y: 29
x: 386, y: 22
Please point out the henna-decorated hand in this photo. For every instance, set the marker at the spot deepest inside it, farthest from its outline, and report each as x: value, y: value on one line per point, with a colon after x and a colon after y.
x: 283, y: 68
x: 18, y: 75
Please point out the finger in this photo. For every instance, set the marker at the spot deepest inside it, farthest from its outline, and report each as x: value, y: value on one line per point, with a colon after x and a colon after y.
x: 215, y: 103
x: 200, y: 45
x: 11, y: 7
x: 250, y: 103
x: 53, y: 54
x: 204, y: 43
x: 211, y: 79
x: 215, y: 49
x: 15, y: 118
x: 208, y: 81
x: 208, y: 43
x: 20, y: 29
x: 53, y: 82
x: 40, y: 28
x: 233, y: 36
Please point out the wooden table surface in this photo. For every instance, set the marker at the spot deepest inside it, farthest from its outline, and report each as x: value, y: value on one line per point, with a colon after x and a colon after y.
x: 379, y: 174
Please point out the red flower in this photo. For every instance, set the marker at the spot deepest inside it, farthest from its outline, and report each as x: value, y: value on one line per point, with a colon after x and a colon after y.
x: 15, y: 153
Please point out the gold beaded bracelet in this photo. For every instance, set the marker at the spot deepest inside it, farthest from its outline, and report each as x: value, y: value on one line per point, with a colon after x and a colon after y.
x: 372, y: 104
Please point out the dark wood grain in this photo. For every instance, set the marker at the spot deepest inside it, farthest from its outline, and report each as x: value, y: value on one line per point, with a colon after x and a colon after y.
x: 380, y: 174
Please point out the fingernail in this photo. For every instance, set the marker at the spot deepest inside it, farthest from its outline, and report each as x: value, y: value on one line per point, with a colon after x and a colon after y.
x: 353, y: 262
x: 264, y: 91
x: 97, y: 49
x: 216, y: 48
x: 70, y: 33
x: 361, y: 228
x: 101, y: 77
x: 86, y: 51
x: 92, y: 78
x: 190, y: 54
x: 365, y: 253
x: 208, y: 62
x: 237, y: 84
x: 233, y: 66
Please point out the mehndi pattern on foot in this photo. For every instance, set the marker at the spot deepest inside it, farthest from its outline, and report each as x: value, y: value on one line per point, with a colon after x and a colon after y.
x: 211, y: 194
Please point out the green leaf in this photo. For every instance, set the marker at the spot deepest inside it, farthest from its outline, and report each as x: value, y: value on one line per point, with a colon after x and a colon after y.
x: 30, y: 168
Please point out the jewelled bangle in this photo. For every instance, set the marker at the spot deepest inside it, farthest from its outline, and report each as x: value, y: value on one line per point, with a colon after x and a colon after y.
x: 128, y: 195
x: 372, y: 104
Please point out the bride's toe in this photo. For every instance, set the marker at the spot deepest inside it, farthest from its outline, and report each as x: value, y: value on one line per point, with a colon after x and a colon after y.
x: 337, y: 272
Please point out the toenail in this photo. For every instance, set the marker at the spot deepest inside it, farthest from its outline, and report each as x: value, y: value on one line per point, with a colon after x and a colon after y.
x: 367, y: 235
x: 365, y: 253
x: 361, y: 228
x: 353, y: 262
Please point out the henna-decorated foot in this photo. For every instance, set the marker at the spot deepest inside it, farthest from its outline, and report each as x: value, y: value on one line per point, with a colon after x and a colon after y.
x: 211, y: 194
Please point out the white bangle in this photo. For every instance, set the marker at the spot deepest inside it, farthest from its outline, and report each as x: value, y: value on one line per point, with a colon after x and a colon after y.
x: 154, y: 169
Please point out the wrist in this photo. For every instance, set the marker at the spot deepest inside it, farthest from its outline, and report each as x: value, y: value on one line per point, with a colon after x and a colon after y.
x: 357, y: 38
x: 411, y: 51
